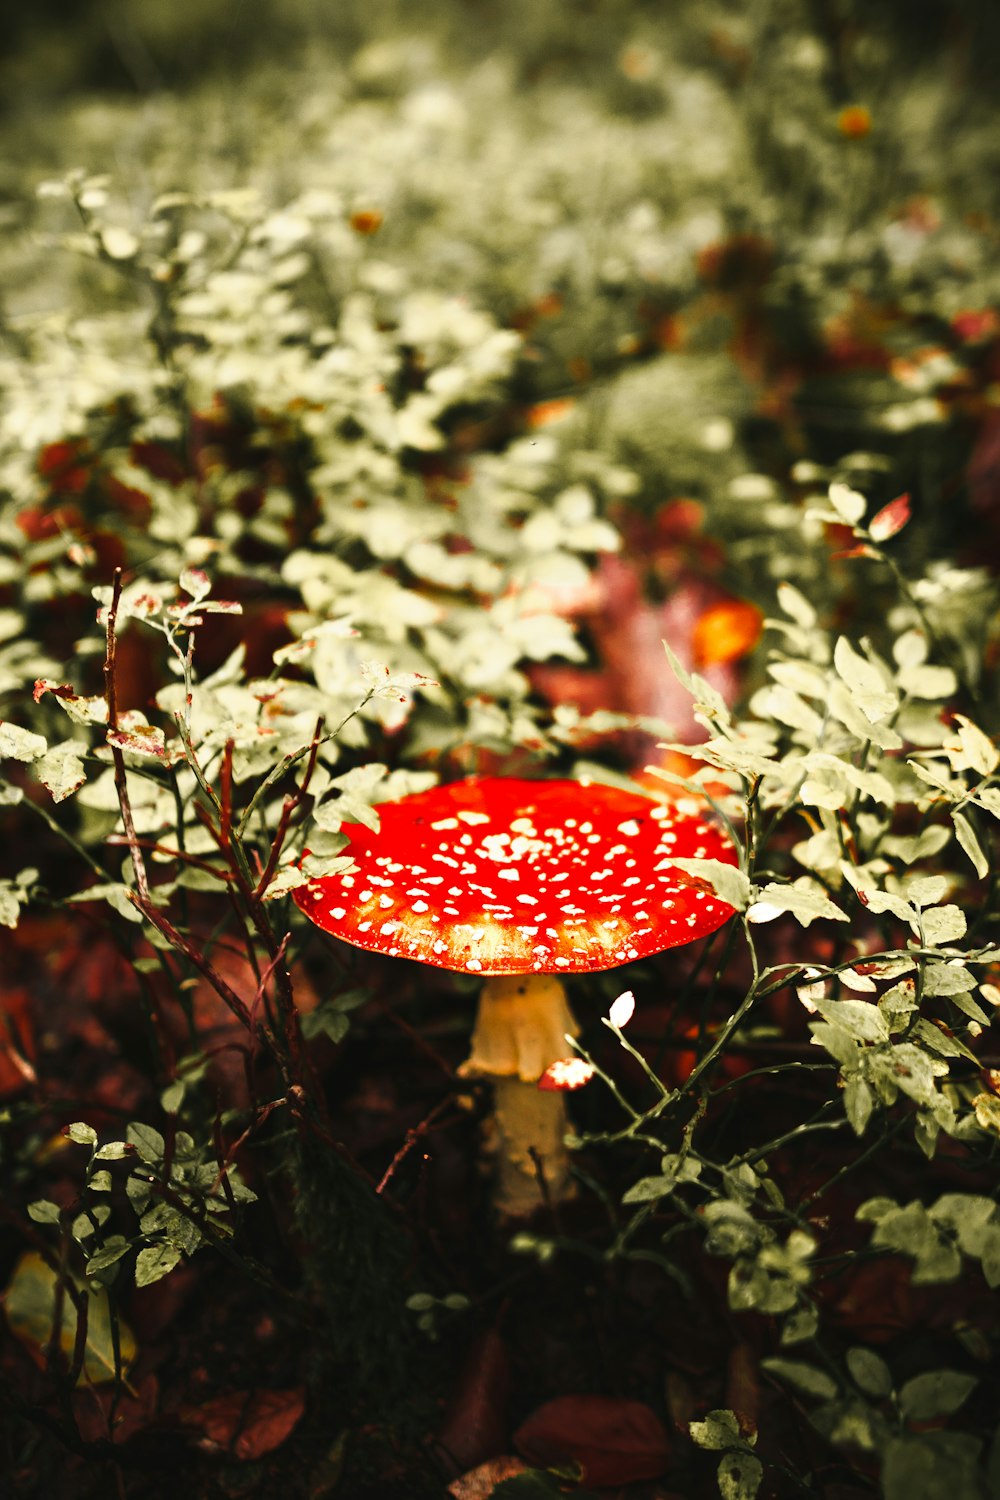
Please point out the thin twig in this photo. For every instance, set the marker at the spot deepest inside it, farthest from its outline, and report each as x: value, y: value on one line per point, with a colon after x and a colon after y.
x: 289, y: 806
x: 412, y: 1137
x: 121, y: 783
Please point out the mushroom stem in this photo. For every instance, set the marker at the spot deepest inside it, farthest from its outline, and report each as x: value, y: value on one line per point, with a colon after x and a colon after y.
x: 521, y: 1028
x: 530, y: 1148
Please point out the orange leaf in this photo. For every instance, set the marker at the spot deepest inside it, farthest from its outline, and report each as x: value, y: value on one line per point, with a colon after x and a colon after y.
x: 543, y: 413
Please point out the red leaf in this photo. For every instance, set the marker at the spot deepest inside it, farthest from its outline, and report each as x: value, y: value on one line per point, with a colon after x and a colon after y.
x: 58, y: 689
x: 17, y: 1040
x: 890, y: 519
x: 616, y: 1441
x: 743, y: 1387
x: 248, y: 1423
x: 269, y: 1419
x: 861, y: 550
x: 133, y: 1408
x: 475, y: 1424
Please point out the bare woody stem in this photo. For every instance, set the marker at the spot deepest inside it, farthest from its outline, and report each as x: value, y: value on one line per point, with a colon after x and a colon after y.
x: 121, y: 784
x: 141, y: 896
x: 288, y: 808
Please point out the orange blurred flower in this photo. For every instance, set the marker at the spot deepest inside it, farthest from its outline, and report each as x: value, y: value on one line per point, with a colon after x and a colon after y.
x: 543, y: 413
x: 854, y: 121
x: 726, y: 631
x: 366, y: 221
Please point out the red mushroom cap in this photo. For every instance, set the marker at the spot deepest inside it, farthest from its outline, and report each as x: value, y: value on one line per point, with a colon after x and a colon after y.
x: 495, y: 875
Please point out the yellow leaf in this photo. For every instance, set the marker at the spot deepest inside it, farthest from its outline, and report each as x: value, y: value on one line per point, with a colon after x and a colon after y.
x: 29, y: 1304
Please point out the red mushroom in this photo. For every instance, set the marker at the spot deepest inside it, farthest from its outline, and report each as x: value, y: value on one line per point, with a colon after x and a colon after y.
x: 524, y: 881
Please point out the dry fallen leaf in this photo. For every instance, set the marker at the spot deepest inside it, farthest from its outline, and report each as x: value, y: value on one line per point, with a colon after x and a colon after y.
x: 614, y: 1440
x: 246, y: 1423
x: 479, y: 1483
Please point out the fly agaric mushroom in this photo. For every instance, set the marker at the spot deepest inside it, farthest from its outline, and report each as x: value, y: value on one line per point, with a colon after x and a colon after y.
x: 524, y: 881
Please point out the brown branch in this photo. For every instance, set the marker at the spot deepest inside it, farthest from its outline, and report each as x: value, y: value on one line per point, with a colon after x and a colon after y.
x: 287, y: 808
x: 121, y: 783
x: 226, y: 796
x: 291, y: 802
x: 200, y: 962
x: 268, y: 972
x: 152, y: 847
x: 412, y: 1137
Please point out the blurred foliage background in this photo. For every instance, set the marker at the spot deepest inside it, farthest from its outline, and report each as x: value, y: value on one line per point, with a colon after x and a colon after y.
x: 597, y: 155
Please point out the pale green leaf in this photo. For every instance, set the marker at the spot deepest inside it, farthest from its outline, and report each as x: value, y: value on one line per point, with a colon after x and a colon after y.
x: 869, y: 1371
x: 936, y: 1394
x: 806, y: 902
x: 971, y: 749
x: 729, y: 883
x: 867, y: 685
x: 966, y: 835
x: 849, y: 504
x: 155, y: 1262
x: 172, y: 1097
x: 109, y: 1254
x: 719, y: 1429
x: 796, y: 605
x: 943, y: 925
x: 864, y: 1021
x: 44, y: 1212
x: 932, y: 1465
x: 20, y: 744
x: 859, y: 1101
x: 927, y: 682
x: 739, y: 1476
x: 61, y: 770
x: 148, y: 1142
x: 804, y: 1378
x: 117, y: 896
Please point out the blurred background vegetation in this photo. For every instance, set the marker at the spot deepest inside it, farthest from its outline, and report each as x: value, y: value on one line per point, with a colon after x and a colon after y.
x: 735, y: 236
